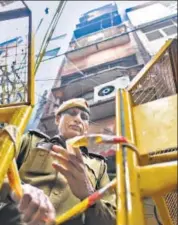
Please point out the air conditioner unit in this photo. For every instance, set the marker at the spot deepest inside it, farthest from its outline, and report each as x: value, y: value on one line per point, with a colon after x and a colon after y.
x: 108, y: 90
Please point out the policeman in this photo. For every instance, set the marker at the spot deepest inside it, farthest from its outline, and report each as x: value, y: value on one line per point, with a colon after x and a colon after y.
x: 66, y: 175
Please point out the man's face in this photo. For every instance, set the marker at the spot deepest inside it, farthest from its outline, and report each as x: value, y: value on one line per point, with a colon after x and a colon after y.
x: 73, y: 122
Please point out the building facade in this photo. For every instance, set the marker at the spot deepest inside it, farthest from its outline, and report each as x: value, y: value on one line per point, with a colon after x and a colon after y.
x: 102, y: 57
x: 154, y: 23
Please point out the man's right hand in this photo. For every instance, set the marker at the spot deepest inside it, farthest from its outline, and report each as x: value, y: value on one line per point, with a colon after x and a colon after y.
x: 35, y: 206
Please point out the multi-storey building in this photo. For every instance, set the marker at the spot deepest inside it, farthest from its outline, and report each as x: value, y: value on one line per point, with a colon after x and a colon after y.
x: 100, y: 51
x: 102, y: 57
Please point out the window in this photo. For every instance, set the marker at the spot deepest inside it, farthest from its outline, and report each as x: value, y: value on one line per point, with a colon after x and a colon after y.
x: 170, y: 30
x: 156, y: 26
x: 160, y: 30
x: 154, y: 35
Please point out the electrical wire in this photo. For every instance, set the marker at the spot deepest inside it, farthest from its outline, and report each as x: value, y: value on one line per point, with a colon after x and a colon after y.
x: 156, y: 216
x: 124, y: 33
x: 46, y: 34
x: 49, y: 33
x: 133, y: 30
x: 55, y: 20
x: 48, y: 100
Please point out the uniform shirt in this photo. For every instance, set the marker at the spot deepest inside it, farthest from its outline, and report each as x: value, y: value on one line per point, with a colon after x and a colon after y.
x: 35, y: 168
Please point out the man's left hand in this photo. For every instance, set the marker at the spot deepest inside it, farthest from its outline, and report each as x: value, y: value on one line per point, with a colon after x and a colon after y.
x: 35, y: 206
x: 71, y: 165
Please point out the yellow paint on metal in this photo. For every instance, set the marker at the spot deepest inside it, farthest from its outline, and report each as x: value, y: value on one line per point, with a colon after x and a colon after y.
x: 14, y: 179
x: 32, y: 75
x: 19, y: 118
x: 120, y: 186
x: 12, y: 105
x: 85, y: 204
x: 163, y: 210
x: 158, y: 179
x: 16, y: 116
x: 7, y: 153
x: 150, y: 64
x: 77, y: 209
x: 158, y: 157
x: 134, y: 202
x: 6, y: 113
x: 156, y: 124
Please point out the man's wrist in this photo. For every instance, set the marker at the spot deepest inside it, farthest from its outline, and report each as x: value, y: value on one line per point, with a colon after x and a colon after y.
x: 90, y: 192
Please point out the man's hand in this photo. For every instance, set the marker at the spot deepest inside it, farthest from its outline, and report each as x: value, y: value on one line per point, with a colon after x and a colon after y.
x: 69, y: 162
x: 35, y: 206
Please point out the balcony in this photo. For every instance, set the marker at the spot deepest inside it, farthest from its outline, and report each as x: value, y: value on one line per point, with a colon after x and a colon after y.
x: 85, y: 84
x: 97, y: 36
x: 72, y: 74
x: 84, y: 21
x: 102, y: 23
x: 90, y: 45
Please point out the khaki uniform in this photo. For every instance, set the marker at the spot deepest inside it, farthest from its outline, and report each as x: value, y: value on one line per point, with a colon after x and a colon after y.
x: 35, y: 168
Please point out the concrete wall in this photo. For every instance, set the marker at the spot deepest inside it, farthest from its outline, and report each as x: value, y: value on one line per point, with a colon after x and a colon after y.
x: 100, y: 57
x: 148, y: 15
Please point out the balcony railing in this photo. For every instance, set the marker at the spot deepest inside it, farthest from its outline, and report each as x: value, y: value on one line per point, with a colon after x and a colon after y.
x: 98, y: 36
x: 123, y: 64
x: 112, y: 20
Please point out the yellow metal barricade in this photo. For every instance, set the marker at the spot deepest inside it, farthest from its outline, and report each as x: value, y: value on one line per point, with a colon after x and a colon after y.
x: 17, y: 91
x: 153, y: 108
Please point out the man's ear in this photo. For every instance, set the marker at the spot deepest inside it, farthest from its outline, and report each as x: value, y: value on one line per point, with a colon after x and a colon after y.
x: 57, y: 119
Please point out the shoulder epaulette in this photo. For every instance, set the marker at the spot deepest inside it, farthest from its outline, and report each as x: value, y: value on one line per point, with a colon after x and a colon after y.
x: 39, y: 133
x: 94, y: 155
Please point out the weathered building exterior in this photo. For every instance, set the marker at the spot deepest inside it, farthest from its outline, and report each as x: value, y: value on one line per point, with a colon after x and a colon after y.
x: 102, y: 57
x: 154, y: 23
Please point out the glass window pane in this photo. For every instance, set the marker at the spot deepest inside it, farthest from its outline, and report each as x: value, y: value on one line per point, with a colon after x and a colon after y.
x: 154, y: 35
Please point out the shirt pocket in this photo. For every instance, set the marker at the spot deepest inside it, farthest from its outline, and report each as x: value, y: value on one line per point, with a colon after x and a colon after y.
x: 38, y: 161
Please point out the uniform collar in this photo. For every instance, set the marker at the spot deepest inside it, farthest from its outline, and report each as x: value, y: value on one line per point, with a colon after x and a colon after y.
x: 58, y: 140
